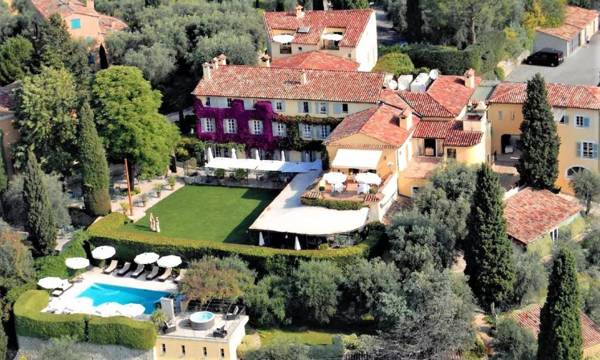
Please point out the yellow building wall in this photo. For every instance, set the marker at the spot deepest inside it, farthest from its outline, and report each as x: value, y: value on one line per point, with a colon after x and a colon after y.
x: 194, y: 349
x: 405, y: 185
x: 471, y: 155
x: 90, y: 27
x: 506, y: 119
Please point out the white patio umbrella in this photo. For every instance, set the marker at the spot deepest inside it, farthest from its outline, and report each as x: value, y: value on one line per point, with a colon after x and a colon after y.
x: 368, y: 178
x: 333, y: 37
x: 109, y: 309
x: 79, y: 305
x: 261, y: 239
x: 256, y: 154
x: 146, y: 258
x: 169, y: 261
x: 334, y: 177
x: 282, y: 155
x: 297, y: 244
x: 209, y: 155
x: 50, y: 282
x: 283, y: 39
x: 132, y: 310
x: 103, y: 252
x: 77, y: 263
x: 233, y: 154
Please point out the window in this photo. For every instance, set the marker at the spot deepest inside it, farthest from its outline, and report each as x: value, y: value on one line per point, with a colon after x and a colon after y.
x: 164, y: 348
x: 500, y: 115
x: 582, y: 122
x: 279, y: 105
x: 564, y: 119
x: 256, y: 127
x: 554, y: 234
x: 205, y: 351
x: 279, y: 129
x: 306, y: 131
x: 415, y: 190
x: 345, y: 108
x: 587, y: 150
x: 512, y: 115
x: 207, y: 101
x: 324, y: 131
x: 451, y: 153
x: 222, y: 352
x: 208, y: 124
x: 182, y: 349
x: 323, y: 108
x: 305, y: 107
x: 75, y: 24
x: 299, y: 48
x: 230, y: 126
x: 285, y: 48
x: 574, y: 170
x: 229, y: 101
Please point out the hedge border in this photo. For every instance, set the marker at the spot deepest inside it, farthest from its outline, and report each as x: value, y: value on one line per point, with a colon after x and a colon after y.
x: 334, y: 204
x: 109, y: 231
x: 31, y: 321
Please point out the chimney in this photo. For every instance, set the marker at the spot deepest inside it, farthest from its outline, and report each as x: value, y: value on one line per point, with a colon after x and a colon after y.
x: 406, y: 119
x: 222, y: 59
x: 206, y: 71
x: 299, y: 12
x: 303, y: 78
x: 215, y: 63
x: 470, y: 79
x: 266, y: 60
x: 90, y: 4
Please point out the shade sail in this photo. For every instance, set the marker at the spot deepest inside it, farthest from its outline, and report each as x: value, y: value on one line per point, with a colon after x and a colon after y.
x: 169, y: 261
x: 283, y: 39
x: 368, y: 178
x: 103, y: 252
x: 356, y: 159
x: 77, y: 263
x: 333, y: 37
x: 146, y: 258
x: 50, y: 282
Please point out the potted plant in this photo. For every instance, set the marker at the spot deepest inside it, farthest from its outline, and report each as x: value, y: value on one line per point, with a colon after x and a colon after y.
x: 158, y: 188
x: 144, y: 199
x: 220, y: 175
x: 158, y: 318
x: 124, y: 207
x: 172, y: 180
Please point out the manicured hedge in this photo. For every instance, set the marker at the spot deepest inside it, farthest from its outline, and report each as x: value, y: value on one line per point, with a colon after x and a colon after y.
x: 30, y: 321
x: 333, y: 204
x: 110, y: 231
x: 122, y: 331
x: 449, y: 60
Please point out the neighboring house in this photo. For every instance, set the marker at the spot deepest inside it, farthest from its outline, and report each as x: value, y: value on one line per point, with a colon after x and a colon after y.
x: 529, y: 318
x: 349, y: 34
x: 9, y: 134
x: 263, y: 107
x: 576, y: 111
x: 82, y: 19
x: 317, y: 60
x: 534, y: 217
x: 579, y: 26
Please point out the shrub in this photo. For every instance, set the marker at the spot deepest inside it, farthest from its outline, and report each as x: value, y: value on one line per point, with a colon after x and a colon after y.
x: 499, y: 72
x: 333, y: 351
x: 220, y: 173
x: 449, y: 60
x: 172, y: 180
x: 30, y: 321
x: 122, y: 331
x: 333, y: 204
x: 54, y: 265
x: 514, y: 342
x: 396, y: 63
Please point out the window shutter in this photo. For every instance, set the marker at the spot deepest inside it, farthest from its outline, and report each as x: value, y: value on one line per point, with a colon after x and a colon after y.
x: 283, y: 106
x: 273, y: 105
x: 338, y: 108
x: 578, y: 149
x: 300, y: 108
x: 566, y: 119
x: 586, y: 122
x: 595, y: 151
x: 327, y: 108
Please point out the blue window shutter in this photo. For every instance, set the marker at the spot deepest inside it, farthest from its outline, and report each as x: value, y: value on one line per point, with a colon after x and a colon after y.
x: 586, y: 122
x: 595, y: 151
x: 338, y: 108
x: 327, y: 107
x: 566, y: 119
x: 300, y: 107
x: 75, y: 24
x: 578, y: 149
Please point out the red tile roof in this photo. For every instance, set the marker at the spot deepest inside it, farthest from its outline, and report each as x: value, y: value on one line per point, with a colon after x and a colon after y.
x: 576, y: 19
x: 529, y: 318
x: 241, y: 81
x: 316, y: 60
x: 559, y: 95
x: 352, y: 21
x: 451, y: 131
x: 380, y: 122
x: 532, y: 213
x: 445, y: 97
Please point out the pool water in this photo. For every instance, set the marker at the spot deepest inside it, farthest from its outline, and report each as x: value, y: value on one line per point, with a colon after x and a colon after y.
x: 103, y: 293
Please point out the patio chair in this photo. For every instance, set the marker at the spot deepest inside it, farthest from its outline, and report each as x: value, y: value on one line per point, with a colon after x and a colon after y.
x: 166, y: 274
x: 154, y: 273
x: 61, y: 289
x: 125, y: 269
x: 111, y: 267
x: 169, y: 327
x: 234, y: 314
x: 138, y: 271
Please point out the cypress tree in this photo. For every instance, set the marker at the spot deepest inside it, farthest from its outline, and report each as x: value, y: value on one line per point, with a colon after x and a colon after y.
x: 488, y: 251
x: 94, y: 167
x: 40, y: 223
x: 538, y: 165
x: 3, y: 342
x: 560, y: 322
x: 414, y: 21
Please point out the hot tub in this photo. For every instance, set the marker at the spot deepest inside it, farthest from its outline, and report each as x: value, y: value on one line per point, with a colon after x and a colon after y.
x: 202, y: 320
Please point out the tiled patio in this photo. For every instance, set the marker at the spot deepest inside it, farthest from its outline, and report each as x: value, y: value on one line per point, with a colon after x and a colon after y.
x: 184, y: 329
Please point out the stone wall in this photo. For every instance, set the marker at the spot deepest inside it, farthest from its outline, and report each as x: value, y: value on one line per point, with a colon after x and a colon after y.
x: 30, y: 348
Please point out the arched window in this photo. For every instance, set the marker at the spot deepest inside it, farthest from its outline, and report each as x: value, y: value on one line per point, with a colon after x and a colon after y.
x: 574, y: 170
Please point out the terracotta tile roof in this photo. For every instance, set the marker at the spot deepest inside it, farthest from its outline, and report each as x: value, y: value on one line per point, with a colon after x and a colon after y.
x: 109, y: 23
x: 352, y: 21
x: 282, y: 83
x: 380, y: 122
x: 445, y: 97
x: 7, y: 101
x: 576, y: 19
x: 531, y: 213
x: 559, y: 95
x: 316, y: 60
x: 529, y: 318
x: 451, y: 131
x: 432, y: 129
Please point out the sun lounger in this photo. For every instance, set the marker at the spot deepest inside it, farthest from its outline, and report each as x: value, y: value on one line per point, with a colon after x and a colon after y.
x: 61, y: 289
x: 138, y: 271
x: 111, y: 267
x: 125, y: 269
x: 154, y: 273
x: 169, y: 327
x: 180, y: 276
x: 166, y: 274
x: 234, y: 314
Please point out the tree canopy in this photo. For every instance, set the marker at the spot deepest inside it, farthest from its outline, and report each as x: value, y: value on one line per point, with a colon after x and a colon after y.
x: 586, y: 185
x: 316, y: 283
x: 15, y: 59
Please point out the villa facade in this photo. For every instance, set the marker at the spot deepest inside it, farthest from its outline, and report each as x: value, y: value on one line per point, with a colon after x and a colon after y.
x: 348, y: 34
x: 576, y: 110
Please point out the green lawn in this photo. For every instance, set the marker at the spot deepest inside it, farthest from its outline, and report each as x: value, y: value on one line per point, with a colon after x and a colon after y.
x: 213, y: 213
x: 304, y: 336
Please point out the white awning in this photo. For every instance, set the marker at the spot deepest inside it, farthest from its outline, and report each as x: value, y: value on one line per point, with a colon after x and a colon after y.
x: 356, y: 159
x: 333, y: 37
x: 283, y: 39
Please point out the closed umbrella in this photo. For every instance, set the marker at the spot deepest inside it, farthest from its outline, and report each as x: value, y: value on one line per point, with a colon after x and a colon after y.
x: 282, y: 155
x: 146, y: 258
x: 261, y: 240
x: 209, y: 155
x: 103, y: 252
x: 256, y: 154
x: 132, y: 310
x: 169, y: 261
x: 233, y: 154
x: 297, y: 244
x: 77, y: 263
x: 50, y: 282
x: 368, y: 178
x: 334, y: 177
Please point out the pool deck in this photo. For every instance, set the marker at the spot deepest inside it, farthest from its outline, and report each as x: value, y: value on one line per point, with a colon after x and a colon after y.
x: 95, y: 275
x: 184, y: 329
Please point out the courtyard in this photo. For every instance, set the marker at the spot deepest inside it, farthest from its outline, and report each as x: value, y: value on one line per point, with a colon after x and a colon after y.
x: 211, y: 213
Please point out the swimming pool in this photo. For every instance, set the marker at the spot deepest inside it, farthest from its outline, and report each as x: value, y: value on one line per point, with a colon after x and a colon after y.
x: 103, y: 293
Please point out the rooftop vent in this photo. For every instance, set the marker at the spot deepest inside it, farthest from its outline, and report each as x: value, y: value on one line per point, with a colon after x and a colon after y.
x: 304, y: 30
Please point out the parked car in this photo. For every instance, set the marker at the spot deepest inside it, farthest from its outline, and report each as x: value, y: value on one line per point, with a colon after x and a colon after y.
x: 546, y: 57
